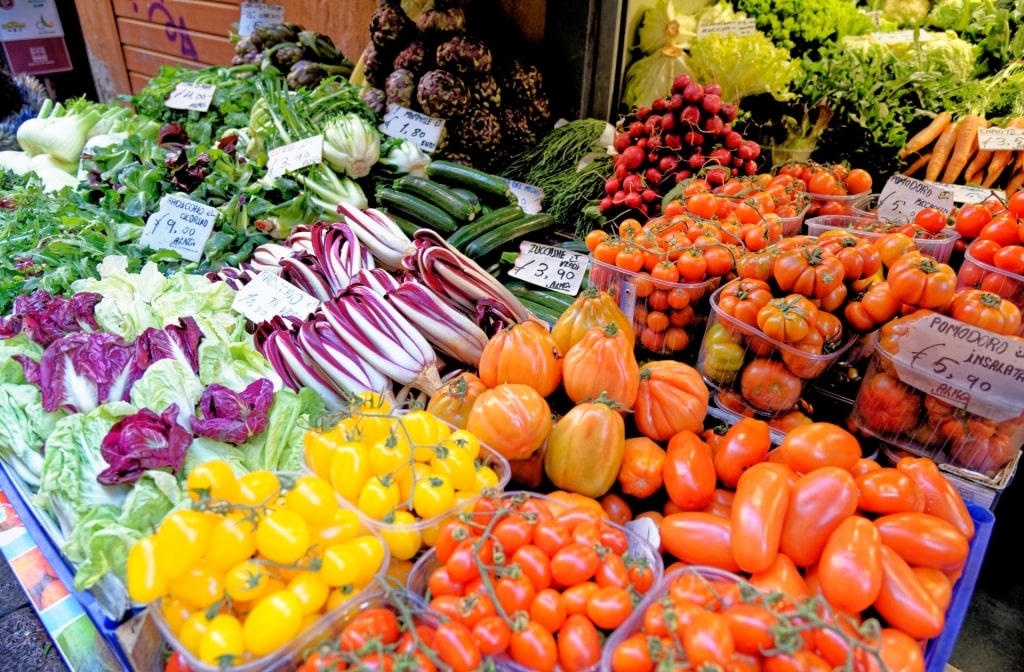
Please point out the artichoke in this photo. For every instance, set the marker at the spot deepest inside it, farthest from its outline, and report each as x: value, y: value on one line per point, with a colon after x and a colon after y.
x: 389, y: 23
x: 245, y: 46
x: 413, y: 58
x: 485, y: 92
x: 308, y: 74
x: 457, y: 157
x: 375, y: 66
x: 400, y: 87
x: 270, y: 34
x: 524, y: 80
x: 375, y: 99
x: 478, y: 131
x: 285, y: 55
x: 516, y: 127
x: 321, y: 47
x: 464, y: 55
x: 442, y: 21
x: 442, y: 94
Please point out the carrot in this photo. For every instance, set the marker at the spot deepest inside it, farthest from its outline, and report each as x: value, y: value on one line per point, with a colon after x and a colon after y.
x: 1000, y: 158
x: 940, y: 153
x: 927, y: 134
x: 918, y: 164
x: 965, y: 147
x: 973, y: 172
x: 1015, y: 184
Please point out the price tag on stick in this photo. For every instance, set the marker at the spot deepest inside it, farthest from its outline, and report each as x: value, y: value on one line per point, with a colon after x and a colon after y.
x: 180, y: 224
x: 401, y: 122
x: 191, y: 96
x: 267, y: 296
x: 258, y: 14
x: 550, y: 267
x: 297, y: 155
x: 902, y: 197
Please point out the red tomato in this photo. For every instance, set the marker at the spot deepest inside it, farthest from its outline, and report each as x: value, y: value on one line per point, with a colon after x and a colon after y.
x: 548, y: 609
x: 633, y: 655
x: 708, y: 641
x: 971, y: 219
x: 888, y: 490
x: 899, y: 651
x: 850, y: 568
x: 534, y: 647
x: 492, y: 635
x: 177, y: 663
x: 820, y: 500
x: 931, y: 220
x: 370, y: 623
x: 744, y: 444
x: 609, y: 606
x: 751, y: 627
x: 819, y: 444
x: 689, y: 471
x: 923, y: 540
x: 574, y: 564
x: 940, y: 497
x: 758, y: 512
x: 579, y: 644
x: 456, y: 647
x: 782, y: 576
x: 699, y: 538
x: 904, y: 602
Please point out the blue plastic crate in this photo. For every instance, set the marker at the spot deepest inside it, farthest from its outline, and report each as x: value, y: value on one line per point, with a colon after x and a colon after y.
x: 939, y: 650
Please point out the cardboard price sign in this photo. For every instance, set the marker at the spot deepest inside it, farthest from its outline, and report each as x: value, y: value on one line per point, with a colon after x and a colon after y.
x: 267, y: 296
x: 530, y: 197
x: 401, y: 122
x: 903, y: 197
x: 191, y: 96
x: 741, y: 28
x: 995, y: 139
x: 258, y: 14
x: 181, y: 225
x: 294, y: 156
x: 965, y: 366
x: 550, y: 267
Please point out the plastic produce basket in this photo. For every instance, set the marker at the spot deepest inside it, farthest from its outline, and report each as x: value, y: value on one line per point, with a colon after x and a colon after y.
x: 791, y: 226
x: 979, y: 275
x: 684, y: 306
x: 833, y: 205
x: 870, y: 227
x: 785, y: 364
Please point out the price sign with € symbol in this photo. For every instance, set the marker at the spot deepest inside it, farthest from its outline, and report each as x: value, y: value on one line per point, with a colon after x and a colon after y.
x: 550, y: 267
x: 995, y: 139
x: 294, y: 156
x: 902, y: 197
x: 193, y: 96
x: 179, y: 224
x: 401, y: 122
x: 267, y: 296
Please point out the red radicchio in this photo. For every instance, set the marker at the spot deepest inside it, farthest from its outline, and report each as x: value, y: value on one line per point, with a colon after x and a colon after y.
x: 175, y: 342
x: 234, y: 416
x: 143, y: 441
x: 79, y: 372
x: 45, y: 318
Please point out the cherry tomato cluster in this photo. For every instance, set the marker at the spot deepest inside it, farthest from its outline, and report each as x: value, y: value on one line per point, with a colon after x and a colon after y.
x: 813, y: 520
x: 389, y: 630
x: 927, y: 224
x: 536, y: 580
x: 996, y: 251
x: 684, y: 133
x: 902, y: 415
x: 834, y: 188
x: 404, y: 472
x: 254, y: 562
x: 674, y: 261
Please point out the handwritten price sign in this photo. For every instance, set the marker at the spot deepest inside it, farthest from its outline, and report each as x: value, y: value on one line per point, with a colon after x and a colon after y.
x: 281, y: 160
x: 902, y: 197
x: 530, y: 197
x: 965, y: 366
x: 181, y: 225
x: 740, y: 28
x: 267, y: 296
x: 258, y: 14
x: 1001, y: 138
x: 401, y: 122
x: 550, y: 267
x: 191, y: 96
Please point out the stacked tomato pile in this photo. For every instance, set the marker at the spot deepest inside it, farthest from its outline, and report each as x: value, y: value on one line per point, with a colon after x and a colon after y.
x: 996, y: 247
x: 835, y: 188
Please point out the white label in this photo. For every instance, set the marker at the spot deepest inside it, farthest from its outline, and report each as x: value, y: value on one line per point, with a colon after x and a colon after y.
x: 550, y: 267
x: 902, y: 197
x: 27, y: 20
x: 964, y: 194
x: 1001, y: 138
x: 963, y: 365
x: 191, y: 96
x: 258, y: 14
x: 424, y: 130
x: 267, y: 296
x: 530, y: 197
x: 901, y: 36
x: 180, y: 224
x: 876, y: 17
x: 297, y: 155
x: 740, y: 28
x: 646, y: 529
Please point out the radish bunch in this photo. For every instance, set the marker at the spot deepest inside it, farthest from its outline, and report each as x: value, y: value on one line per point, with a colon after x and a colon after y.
x: 682, y: 134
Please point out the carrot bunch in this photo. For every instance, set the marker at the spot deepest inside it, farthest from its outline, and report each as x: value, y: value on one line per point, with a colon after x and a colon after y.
x: 948, y: 151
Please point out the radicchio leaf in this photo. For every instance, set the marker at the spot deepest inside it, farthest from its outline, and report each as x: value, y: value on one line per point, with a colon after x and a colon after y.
x: 179, y: 342
x: 45, y: 318
x: 231, y: 416
x: 79, y: 372
x: 143, y: 441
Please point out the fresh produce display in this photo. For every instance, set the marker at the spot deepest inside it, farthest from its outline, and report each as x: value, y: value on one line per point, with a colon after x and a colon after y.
x: 252, y: 563
x: 304, y: 57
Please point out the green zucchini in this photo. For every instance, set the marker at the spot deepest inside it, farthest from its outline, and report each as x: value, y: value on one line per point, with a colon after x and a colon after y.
x: 437, y: 194
x: 417, y: 210
x: 469, y: 195
x: 458, y: 175
x: 483, y: 224
x: 503, y: 235
x: 541, y: 310
x: 553, y: 300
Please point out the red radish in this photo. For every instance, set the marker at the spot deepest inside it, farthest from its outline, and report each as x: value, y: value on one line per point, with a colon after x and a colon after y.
x: 653, y: 124
x: 636, y: 129
x: 632, y: 183
x: 653, y: 157
x: 633, y: 200
x: 606, y: 204
x: 676, y: 102
x: 642, y: 112
x: 750, y: 168
x: 633, y: 157
x: 672, y: 141
x: 653, y: 176
x: 680, y: 83
x: 714, y: 89
x: 612, y: 185
x: 747, y: 150
x: 620, y: 168
x: 732, y: 140
x: 642, y: 143
x: 697, y: 161
x: 619, y: 197
x: 694, y: 138
x: 690, y: 115
x: 729, y: 111
x: 713, y: 125
x: 721, y: 155
x: 668, y: 122
x: 683, y: 175
x: 717, y: 176
x: 737, y: 162
x: 693, y: 92
x: 649, y: 195
x: 734, y: 171
x: 654, y: 142
x: 667, y: 164
x: 711, y: 103
x: 622, y: 140
x: 659, y: 105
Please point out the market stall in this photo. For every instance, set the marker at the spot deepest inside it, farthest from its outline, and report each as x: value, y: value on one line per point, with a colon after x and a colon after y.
x: 340, y: 356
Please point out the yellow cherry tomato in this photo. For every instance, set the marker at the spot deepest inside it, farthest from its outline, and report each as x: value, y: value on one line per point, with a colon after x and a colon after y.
x: 200, y: 586
x: 222, y: 644
x: 433, y: 496
x: 402, y: 535
x: 273, y: 622
x: 457, y: 463
x: 317, y: 448
x: 258, y: 488
x: 408, y: 478
x: 378, y: 497
x: 185, y: 536
x: 311, y: 590
x: 350, y: 469
x: 282, y: 536
x: 421, y: 432
x: 246, y: 581
x: 339, y: 565
x: 465, y: 439
x: 213, y: 480
x: 371, y: 553
x: 145, y: 580
x: 486, y: 478
x: 343, y: 526
x: 389, y: 458
x: 193, y: 629
x: 175, y: 613
x: 232, y: 540
x: 314, y: 499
